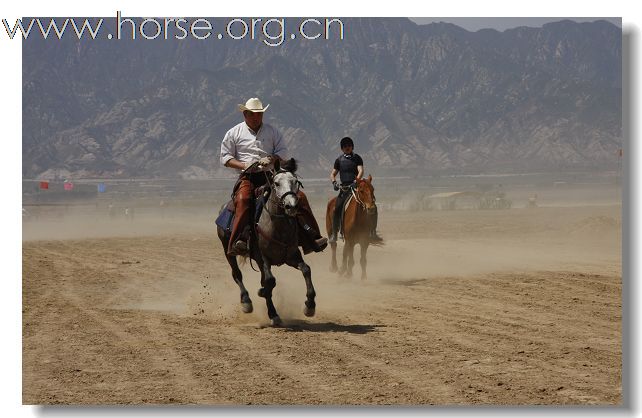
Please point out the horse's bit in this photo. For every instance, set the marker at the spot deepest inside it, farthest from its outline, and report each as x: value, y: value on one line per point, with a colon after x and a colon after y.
x: 279, y: 202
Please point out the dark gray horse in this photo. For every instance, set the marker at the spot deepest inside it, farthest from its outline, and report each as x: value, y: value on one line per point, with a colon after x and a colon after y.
x: 275, y: 241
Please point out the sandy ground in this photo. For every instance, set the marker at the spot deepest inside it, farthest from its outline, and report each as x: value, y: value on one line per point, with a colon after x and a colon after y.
x: 507, y: 307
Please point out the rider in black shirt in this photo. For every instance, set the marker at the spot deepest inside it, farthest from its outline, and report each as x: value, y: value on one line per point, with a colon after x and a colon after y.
x: 349, y: 166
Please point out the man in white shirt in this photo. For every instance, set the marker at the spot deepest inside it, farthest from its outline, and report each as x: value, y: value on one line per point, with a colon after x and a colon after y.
x: 246, y: 143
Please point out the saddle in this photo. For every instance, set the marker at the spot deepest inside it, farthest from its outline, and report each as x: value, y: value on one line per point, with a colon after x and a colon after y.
x: 261, y: 195
x: 226, y: 217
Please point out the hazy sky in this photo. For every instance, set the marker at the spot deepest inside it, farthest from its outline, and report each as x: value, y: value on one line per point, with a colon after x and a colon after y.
x: 502, y: 23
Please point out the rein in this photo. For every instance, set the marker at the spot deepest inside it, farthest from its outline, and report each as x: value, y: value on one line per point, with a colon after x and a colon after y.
x: 279, y: 203
x: 359, y: 201
x: 355, y: 194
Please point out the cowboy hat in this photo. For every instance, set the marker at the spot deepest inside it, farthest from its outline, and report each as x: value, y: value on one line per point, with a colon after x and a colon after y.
x: 253, y: 105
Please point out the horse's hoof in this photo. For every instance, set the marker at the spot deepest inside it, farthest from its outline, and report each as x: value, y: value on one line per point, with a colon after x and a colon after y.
x: 276, y: 321
x: 247, y: 307
x: 333, y: 269
x: 262, y: 292
x: 308, y: 311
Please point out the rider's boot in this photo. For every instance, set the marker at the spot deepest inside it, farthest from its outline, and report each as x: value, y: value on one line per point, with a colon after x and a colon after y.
x: 312, y: 240
x: 240, y: 246
x: 335, y: 231
x: 374, y: 237
x: 336, y: 221
x: 374, y: 218
x: 320, y: 244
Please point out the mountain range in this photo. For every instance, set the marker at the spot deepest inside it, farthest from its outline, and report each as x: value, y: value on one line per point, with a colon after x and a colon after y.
x: 415, y: 98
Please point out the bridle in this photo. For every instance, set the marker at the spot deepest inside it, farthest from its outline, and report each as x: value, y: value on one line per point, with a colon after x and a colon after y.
x: 299, y: 185
x: 270, y: 181
x: 279, y: 201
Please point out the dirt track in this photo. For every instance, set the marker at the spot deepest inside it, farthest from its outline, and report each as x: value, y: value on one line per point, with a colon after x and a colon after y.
x: 464, y: 307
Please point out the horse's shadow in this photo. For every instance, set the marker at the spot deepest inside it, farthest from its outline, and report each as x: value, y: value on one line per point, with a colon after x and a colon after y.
x: 300, y: 325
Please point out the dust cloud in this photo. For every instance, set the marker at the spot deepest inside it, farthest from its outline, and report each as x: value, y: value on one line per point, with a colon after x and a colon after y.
x: 548, y: 226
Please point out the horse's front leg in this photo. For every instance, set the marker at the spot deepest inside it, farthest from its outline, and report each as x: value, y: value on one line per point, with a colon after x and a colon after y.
x: 364, y: 248
x: 298, y: 263
x: 351, y: 259
x: 348, y: 258
x: 268, y: 283
x: 333, y: 262
x: 344, y: 258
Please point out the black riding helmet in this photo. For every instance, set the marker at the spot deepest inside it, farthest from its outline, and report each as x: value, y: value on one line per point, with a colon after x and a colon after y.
x: 345, y: 141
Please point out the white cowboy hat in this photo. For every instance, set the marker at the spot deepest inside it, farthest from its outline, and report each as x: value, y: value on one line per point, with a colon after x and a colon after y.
x: 253, y: 105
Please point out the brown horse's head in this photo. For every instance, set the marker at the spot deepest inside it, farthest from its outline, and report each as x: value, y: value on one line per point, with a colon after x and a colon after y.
x: 365, y: 193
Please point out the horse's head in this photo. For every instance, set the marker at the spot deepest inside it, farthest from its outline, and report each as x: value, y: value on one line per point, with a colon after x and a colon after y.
x: 285, y: 185
x: 365, y: 193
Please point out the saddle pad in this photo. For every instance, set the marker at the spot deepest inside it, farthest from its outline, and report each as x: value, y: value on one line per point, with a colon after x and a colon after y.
x: 224, y: 219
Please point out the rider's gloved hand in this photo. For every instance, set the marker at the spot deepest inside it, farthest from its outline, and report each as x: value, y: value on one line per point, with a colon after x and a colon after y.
x: 335, y: 185
x: 265, y: 161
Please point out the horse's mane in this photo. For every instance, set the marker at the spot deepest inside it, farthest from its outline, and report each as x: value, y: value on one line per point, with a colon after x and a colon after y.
x: 290, y: 165
x: 364, y: 181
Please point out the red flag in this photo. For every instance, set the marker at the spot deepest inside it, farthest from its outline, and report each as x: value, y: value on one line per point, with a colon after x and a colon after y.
x: 44, y: 185
x: 69, y: 186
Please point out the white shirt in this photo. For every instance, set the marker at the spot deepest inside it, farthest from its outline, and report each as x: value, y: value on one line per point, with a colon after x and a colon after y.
x: 245, y: 145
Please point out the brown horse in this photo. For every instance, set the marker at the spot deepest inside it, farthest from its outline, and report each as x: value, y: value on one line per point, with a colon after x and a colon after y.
x: 356, y: 226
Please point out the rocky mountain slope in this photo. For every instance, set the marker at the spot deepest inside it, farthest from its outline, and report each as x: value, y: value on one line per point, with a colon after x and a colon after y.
x: 430, y: 98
